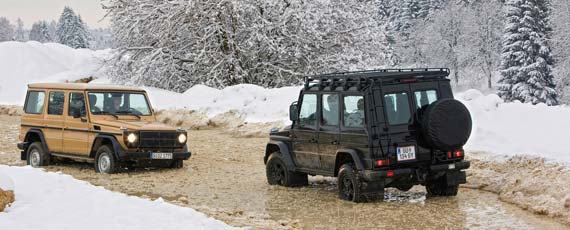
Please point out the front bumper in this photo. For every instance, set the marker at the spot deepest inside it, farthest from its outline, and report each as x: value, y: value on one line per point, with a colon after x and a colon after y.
x: 372, y: 175
x: 134, y: 156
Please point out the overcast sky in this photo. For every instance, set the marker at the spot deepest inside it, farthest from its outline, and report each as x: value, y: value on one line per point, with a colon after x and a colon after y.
x: 31, y: 11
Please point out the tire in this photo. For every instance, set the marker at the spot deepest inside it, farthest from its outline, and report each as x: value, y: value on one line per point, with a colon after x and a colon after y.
x: 278, y: 174
x: 177, y: 164
x: 349, y: 184
x: 105, y: 162
x: 37, y: 156
x: 439, y: 187
x: 446, y: 124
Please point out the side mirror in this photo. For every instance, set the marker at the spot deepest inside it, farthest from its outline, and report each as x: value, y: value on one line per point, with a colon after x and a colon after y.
x: 293, y: 112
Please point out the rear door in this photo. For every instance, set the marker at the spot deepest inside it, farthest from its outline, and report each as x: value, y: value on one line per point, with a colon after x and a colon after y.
x: 304, y: 134
x: 54, y: 121
x: 423, y: 94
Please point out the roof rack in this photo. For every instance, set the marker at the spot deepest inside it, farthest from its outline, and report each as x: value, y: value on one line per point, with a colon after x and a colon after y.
x: 363, y: 78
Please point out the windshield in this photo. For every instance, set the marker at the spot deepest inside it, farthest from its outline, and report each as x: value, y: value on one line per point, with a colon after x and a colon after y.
x: 118, y: 103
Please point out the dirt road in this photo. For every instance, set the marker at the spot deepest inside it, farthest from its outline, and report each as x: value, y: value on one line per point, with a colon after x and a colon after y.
x: 225, y: 178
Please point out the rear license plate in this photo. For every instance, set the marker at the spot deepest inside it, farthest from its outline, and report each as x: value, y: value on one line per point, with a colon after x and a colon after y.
x: 160, y: 155
x: 406, y: 153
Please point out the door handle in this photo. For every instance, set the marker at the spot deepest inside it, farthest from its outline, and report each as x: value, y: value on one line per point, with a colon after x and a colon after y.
x: 313, y: 140
x: 335, y: 142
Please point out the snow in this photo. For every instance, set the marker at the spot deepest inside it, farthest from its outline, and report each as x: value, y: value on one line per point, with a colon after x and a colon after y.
x: 46, y: 200
x: 31, y: 62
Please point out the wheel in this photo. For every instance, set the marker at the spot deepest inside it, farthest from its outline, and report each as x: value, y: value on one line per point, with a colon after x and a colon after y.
x: 177, y: 164
x: 105, y: 162
x: 439, y: 187
x: 277, y: 173
x: 349, y: 184
x: 37, y: 156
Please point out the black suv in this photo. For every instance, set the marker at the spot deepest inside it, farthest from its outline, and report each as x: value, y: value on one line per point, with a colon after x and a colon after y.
x: 374, y: 129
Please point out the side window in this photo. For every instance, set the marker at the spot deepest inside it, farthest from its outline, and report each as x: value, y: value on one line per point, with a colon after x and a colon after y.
x: 138, y: 103
x: 55, y: 105
x: 397, y: 108
x: 35, y: 102
x: 76, y: 104
x: 425, y: 98
x: 330, y: 110
x: 308, y: 113
x: 354, y: 111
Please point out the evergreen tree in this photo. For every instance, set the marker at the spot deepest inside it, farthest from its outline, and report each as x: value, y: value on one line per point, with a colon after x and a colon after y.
x: 526, y: 66
x: 40, y: 32
x: 6, y: 30
x: 52, y: 27
x: 20, y: 33
x: 71, y: 30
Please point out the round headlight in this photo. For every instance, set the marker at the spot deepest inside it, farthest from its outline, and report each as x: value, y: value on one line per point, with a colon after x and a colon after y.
x: 131, y: 138
x: 182, y: 138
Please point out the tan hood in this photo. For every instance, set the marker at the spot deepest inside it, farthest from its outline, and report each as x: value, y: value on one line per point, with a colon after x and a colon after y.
x: 134, y: 125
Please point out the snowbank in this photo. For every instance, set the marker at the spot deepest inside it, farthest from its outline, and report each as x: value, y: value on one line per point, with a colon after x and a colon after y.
x: 516, y: 128
x: 30, y: 62
x: 57, y: 201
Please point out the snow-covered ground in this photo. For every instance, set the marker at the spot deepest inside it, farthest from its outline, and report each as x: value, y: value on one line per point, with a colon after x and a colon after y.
x: 46, y: 200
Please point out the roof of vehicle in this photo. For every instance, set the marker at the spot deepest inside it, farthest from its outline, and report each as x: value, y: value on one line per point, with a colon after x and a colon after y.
x: 361, y: 78
x: 83, y: 86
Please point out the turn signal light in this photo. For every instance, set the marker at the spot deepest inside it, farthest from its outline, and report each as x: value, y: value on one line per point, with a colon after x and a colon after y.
x: 384, y: 162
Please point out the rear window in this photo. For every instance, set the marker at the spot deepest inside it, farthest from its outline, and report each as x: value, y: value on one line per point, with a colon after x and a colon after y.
x: 425, y: 98
x: 397, y: 108
x: 35, y: 102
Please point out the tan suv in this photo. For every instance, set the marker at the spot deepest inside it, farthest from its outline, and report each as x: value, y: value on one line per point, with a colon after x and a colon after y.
x: 111, y: 126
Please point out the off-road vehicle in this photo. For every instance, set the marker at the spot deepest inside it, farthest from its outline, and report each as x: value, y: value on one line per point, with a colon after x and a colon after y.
x: 373, y: 130
x: 112, y: 126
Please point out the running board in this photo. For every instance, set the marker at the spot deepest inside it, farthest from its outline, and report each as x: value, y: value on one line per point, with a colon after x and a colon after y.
x: 74, y: 157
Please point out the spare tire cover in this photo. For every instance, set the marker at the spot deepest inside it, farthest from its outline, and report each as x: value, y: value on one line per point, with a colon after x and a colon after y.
x: 446, y: 124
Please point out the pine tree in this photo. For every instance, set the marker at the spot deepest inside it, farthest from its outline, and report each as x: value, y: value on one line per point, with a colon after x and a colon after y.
x: 52, y: 27
x: 40, y: 32
x: 71, y: 30
x: 526, y: 66
x: 20, y: 33
x: 6, y: 30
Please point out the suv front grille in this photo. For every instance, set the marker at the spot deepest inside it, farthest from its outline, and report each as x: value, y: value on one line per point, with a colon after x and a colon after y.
x: 158, y: 139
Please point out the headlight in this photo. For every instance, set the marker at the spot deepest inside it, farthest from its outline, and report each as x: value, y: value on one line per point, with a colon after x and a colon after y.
x: 131, y: 138
x: 182, y: 138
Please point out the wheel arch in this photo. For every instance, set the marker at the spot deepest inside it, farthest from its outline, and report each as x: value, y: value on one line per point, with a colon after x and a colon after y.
x: 344, y: 156
x: 34, y: 135
x: 279, y: 146
x: 103, y: 139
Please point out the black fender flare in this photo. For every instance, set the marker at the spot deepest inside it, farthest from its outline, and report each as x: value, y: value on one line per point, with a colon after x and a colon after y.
x: 117, y: 149
x: 283, y: 149
x: 42, y: 139
x: 355, y: 158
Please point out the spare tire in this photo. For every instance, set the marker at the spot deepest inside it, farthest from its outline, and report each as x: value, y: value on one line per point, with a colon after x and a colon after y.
x: 446, y: 124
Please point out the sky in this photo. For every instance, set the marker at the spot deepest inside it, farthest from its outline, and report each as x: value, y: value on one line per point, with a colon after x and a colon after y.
x: 31, y: 11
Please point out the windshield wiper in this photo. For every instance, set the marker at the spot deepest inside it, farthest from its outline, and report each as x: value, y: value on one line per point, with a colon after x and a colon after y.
x: 128, y: 113
x: 105, y: 113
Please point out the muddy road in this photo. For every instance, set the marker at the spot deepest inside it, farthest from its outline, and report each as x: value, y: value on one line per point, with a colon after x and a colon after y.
x: 225, y: 178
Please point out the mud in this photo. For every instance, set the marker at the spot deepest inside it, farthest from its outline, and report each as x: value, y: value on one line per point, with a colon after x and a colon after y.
x: 225, y: 178
x: 6, y: 198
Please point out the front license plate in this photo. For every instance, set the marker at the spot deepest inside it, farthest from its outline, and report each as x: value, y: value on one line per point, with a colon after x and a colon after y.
x: 406, y: 153
x: 160, y: 155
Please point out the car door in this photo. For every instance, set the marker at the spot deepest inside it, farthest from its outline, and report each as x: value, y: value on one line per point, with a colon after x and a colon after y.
x: 54, y: 121
x: 329, y: 130
x: 304, y: 135
x: 76, y: 129
x: 353, y: 133
x: 398, y: 104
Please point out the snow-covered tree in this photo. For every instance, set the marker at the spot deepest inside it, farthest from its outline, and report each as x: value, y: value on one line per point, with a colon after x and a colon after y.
x: 20, y: 32
x: 561, y: 47
x: 177, y: 44
x: 6, y: 30
x: 526, y: 65
x: 71, y: 30
x: 52, y: 28
x: 101, y: 38
x: 40, y: 32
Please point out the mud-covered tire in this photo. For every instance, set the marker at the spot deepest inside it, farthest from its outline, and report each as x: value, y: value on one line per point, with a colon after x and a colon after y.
x: 278, y: 174
x: 439, y: 187
x: 446, y: 124
x: 177, y: 164
x: 350, y: 185
x: 105, y: 162
x: 37, y: 156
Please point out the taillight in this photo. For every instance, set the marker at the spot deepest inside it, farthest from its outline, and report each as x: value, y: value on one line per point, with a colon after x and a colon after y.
x: 455, y: 154
x: 383, y: 162
x: 390, y: 173
x: 458, y: 153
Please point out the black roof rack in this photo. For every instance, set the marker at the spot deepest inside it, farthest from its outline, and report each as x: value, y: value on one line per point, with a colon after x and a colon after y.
x: 362, y: 78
